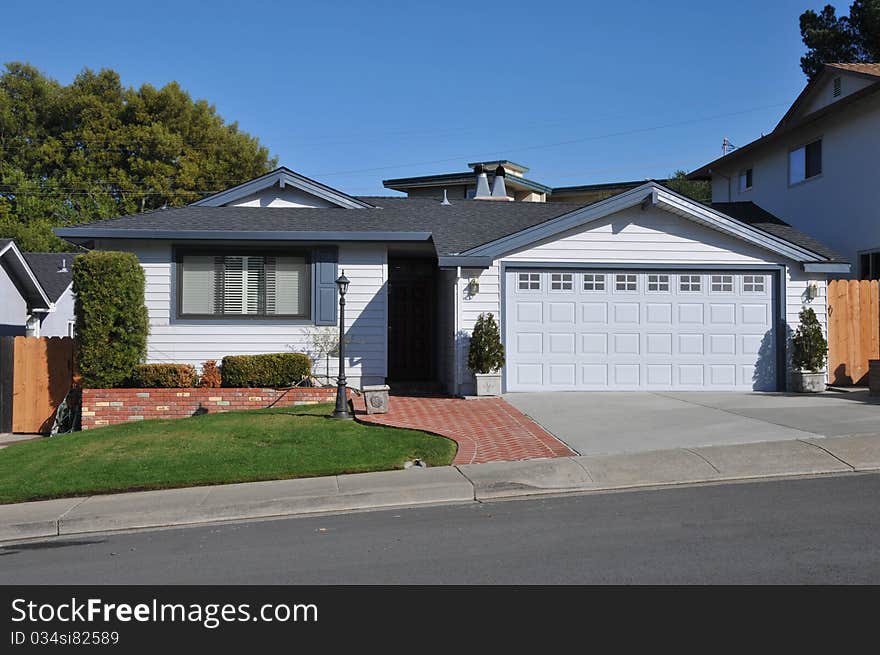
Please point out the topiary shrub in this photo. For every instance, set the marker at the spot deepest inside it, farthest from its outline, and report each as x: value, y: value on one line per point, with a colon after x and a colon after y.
x: 270, y: 370
x: 809, y: 347
x: 111, y: 318
x: 486, y: 352
x: 210, y: 375
x: 164, y: 376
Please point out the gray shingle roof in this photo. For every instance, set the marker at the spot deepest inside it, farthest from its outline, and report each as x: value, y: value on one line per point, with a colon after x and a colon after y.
x: 45, y: 266
x: 455, y: 228
x: 757, y: 217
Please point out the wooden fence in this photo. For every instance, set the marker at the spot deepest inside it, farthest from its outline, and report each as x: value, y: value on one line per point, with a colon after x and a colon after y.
x: 35, y: 375
x: 853, y: 330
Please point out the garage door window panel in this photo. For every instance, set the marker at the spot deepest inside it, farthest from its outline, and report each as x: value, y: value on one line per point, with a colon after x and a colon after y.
x: 529, y: 282
x: 722, y: 284
x: 561, y: 281
x: 690, y: 283
x: 594, y: 282
x: 754, y: 284
x: 658, y: 283
x: 626, y: 282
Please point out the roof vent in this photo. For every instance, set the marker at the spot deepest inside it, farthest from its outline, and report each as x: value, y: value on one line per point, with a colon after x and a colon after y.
x: 482, y: 192
x: 499, y: 190
x: 445, y: 200
x: 63, y: 268
x: 837, y: 88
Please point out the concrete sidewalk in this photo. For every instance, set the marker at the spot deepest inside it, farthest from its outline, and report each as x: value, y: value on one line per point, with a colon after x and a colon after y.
x: 447, y: 484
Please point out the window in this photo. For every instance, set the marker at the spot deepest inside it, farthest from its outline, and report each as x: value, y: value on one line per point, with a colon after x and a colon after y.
x: 529, y: 281
x: 244, y: 284
x: 71, y: 328
x: 689, y: 283
x: 594, y: 282
x: 745, y: 180
x: 805, y: 162
x: 753, y: 284
x: 625, y: 282
x: 561, y: 281
x: 658, y: 282
x: 869, y: 265
x: 722, y: 283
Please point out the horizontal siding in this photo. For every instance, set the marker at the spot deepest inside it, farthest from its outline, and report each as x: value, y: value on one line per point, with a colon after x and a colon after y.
x: 194, y: 342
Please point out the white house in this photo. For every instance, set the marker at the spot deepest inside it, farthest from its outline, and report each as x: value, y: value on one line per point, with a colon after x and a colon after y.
x: 817, y: 167
x: 643, y: 290
x: 36, y: 292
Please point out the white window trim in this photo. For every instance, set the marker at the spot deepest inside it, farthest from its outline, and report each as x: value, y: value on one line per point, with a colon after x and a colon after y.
x: 668, y: 283
x: 540, y: 281
x: 722, y: 283
x: 625, y: 291
x: 561, y: 282
x: 598, y: 278
x: 700, y: 281
x: 788, y: 162
x: 756, y: 278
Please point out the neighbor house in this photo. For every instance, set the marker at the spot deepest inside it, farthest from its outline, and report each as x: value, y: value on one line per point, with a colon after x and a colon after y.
x: 643, y: 290
x: 518, y: 187
x: 36, y: 292
x: 817, y: 167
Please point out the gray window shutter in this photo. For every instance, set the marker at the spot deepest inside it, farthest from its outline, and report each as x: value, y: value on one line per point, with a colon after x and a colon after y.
x: 326, y: 264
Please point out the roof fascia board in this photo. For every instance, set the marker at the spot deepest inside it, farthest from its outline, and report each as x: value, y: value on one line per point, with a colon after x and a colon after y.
x: 658, y: 196
x: 464, y: 261
x: 282, y: 177
x: 699, y: 213
x: 28, y: 274
x: 237, y: 235
x: 827, y: 267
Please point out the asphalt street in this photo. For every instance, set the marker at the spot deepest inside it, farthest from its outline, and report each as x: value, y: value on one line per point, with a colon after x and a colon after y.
x: 817, y: 530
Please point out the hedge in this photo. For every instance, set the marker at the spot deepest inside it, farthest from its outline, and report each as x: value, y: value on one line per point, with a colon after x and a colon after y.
x: 270, y: 370
x: 164, y: 376
x: 111, y: 318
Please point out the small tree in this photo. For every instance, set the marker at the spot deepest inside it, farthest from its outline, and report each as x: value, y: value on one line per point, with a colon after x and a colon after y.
x: 111, y: 318
x: 809, y: 345
x: 486, y: 353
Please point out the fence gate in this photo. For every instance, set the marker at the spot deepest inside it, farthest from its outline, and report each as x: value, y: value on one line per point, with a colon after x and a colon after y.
x: 853, y: 330
x: 35, y: 375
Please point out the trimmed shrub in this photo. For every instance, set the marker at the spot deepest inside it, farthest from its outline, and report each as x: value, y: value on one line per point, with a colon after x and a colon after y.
x: 486, y: 352
x: 111, y: 318
x: 270, y: 370
x: 164, y: 376
x: 210, y: 375
x: 808, y: 344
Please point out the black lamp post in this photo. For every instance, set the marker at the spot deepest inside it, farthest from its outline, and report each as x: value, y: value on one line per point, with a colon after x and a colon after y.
x: 341, y: 410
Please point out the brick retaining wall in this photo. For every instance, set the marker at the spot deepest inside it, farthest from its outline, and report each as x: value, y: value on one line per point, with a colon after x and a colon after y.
x: 112, y: 406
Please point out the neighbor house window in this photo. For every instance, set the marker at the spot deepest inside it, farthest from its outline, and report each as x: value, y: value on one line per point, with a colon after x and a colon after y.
x: 594, y: 282
x: 805, y: 162
x: 561, y: 281
x: 869, y: 266
x: 745, y: 180
x: 244, y: 284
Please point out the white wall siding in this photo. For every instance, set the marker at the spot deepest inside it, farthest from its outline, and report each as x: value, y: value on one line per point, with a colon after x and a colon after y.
x: 194, y: 341
x: 286, y: 197
x: 638, y: 237
x: 56, y: 324
x: 15, y: 314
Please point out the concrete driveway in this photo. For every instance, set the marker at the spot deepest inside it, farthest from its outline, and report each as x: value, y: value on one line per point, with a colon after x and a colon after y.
x: 595, y: 423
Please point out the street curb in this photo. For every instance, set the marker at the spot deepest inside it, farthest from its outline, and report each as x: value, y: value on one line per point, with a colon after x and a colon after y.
x: 465, y: 483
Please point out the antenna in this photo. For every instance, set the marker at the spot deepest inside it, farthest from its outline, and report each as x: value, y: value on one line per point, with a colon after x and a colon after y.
x: 727, y: 147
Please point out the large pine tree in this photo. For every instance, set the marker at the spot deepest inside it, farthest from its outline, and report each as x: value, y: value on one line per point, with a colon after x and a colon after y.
x: 831, y: 38
x: 96, y: 149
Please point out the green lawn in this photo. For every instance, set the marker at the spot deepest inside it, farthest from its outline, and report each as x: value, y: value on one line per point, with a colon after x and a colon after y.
x: 265, y: 444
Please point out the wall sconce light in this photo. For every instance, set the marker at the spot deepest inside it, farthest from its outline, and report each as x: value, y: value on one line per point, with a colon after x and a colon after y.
x: 473, y: 287
x: 812, y: 291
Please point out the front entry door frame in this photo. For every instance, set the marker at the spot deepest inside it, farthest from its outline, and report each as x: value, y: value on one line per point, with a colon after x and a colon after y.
x: 412, y: 333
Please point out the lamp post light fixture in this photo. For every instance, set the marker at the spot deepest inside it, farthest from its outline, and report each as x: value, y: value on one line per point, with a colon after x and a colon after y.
x: 341, y: 410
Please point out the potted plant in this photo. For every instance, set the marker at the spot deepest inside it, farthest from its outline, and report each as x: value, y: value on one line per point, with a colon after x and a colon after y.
x: 809, y: 353
x: 486, y: 356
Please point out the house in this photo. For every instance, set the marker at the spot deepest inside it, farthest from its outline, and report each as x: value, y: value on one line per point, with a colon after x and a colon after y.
x: 646, y: 289
x: 816, y: 168
x: 36, y: 292
x: 519, y: 188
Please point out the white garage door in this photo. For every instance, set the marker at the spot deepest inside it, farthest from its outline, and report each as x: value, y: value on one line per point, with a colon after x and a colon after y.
x: 639, y: 330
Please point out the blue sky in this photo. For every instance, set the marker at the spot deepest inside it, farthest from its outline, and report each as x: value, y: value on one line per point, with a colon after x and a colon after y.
x: 354, y: 92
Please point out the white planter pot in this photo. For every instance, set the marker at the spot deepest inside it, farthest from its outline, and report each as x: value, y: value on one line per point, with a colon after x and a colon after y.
x: 488, y: 384
x: 808, y: 382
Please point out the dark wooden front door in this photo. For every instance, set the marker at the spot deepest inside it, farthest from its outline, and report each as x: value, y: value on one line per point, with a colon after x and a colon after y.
x: 411, y: 330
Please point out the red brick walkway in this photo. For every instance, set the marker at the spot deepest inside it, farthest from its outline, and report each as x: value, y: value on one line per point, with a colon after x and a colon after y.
x: 486, y: 430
